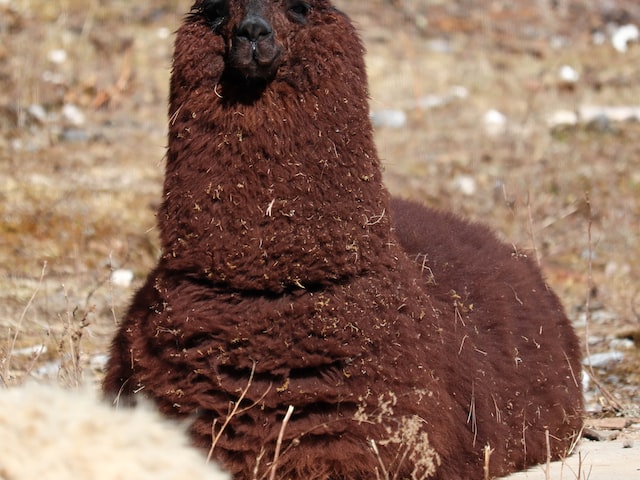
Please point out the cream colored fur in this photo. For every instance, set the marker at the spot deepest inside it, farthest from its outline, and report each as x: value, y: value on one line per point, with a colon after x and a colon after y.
x: 49, y: 433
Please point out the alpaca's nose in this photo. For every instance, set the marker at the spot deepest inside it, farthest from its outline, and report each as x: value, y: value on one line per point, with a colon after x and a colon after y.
x: 254, y: 28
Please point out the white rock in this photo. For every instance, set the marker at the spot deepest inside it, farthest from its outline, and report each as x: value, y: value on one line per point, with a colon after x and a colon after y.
x: 28, y: 351
x: 38, y: 112
x: 99, y: 362
x: 466, y: 184
x: 586, y: 381
x: 163, y: 33
x: 562, y: 118
x: 495, y: 122
x: 622, y: 343
x: 589, y: 113
x: 57, y: 56
x: 49, y: 370
x: 568, y: 74
x: 598, y: 38
x: 122, y: 277
x: 73, y: 114
x: 52, y: 77
x: 457, y: 92
x: 623, y: 35
x: 601, y: 360
x: 389, y: 118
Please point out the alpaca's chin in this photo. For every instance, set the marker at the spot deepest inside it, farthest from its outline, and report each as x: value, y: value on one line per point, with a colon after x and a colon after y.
x: 254, y: 74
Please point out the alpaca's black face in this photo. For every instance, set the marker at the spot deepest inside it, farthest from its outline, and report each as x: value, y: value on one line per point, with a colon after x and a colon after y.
x: 256, y: 33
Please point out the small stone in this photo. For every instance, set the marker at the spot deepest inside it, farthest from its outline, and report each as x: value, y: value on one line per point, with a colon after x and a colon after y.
x: 623, y: 35
x: 74, y: 135
x: 601, y: 360
x: 99, y: 362
x: 495, y: 122
x: 73, y: 114
x: 38, y: 112
x: 163, y: 33
x: 614, y: 423
x: 562, y: 118
x: 57, y: 56
x: 568, y: 74
x: 622, y: 344
x: 30, y: 351
x: 389, y: 118
x: 466, y: 184
x: 600, y: 435
x: 122, y: 277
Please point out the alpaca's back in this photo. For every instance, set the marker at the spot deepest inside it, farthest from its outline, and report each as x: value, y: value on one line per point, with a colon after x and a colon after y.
x: 515, y: 327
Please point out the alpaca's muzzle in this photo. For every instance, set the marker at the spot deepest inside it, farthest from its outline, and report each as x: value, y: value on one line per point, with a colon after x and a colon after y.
x: 254, y: 50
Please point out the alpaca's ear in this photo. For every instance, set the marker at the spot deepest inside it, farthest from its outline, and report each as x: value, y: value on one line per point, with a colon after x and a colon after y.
x: 340, y: 12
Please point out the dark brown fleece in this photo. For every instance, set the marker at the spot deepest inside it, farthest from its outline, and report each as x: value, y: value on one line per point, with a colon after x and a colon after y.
x: 281, y: 277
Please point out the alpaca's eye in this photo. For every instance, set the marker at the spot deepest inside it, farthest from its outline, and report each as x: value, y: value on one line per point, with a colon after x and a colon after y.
x: 298, y: 10
x: 214, y: 12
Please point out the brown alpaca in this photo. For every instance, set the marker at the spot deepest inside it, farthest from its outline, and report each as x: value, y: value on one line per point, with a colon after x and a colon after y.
x: 282, y: 279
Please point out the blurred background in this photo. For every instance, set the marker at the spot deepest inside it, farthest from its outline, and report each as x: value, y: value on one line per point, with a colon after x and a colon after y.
x: 523, y: 115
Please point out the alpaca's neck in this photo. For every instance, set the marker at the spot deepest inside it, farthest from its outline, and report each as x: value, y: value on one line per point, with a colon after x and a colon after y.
x: 285, y: 190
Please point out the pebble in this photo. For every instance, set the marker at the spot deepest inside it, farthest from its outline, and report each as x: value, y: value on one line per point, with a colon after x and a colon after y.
x: 562, y: 118
x: 163, y: 33
x: 466, y: 184
x: 389, y: 118
x: 57, y: 56
x: 29, y: 351
x: 74, y: 135
x: 48, y: 370
x: 122, y: 277
x: 457, y: 92
x: 99, y: 362
x: 601, y: 360
x: 588, y: 113
x: 598, y: 117
x: 495, y: 122
x: 73, y: 114
x: 621, y: 344
x: 568, y: 75
x: 38, y: 112
x: 623, y: 35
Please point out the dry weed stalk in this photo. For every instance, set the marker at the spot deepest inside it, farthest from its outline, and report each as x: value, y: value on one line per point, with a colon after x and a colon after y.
x: 411, y: 441
x: 487, y: 459
x: 5, y: 373
x: 70, y: 364
x: 376, y: 452
x: 547, y: 465
x: 235, y: 410
x: 611, y: 400
x: 276, y: 454
x: 532, y: 232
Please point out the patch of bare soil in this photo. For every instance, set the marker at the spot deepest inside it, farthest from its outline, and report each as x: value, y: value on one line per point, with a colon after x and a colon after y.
x: 466, y: 95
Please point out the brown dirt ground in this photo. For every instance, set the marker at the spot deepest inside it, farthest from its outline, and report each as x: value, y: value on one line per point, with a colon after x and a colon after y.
x: 77, y: 196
